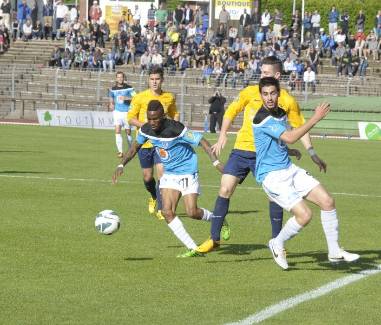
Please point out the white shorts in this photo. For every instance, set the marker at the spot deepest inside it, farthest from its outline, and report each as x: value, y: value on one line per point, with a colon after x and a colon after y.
x: 287, y: 187
x: 186, y: 184
x: 120, y: 118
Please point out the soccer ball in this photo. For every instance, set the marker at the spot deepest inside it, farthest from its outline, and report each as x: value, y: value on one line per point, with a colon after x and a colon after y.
x: 107, y: 222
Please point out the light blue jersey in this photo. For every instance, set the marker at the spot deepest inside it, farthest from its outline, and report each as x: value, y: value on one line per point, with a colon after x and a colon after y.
x: 173, y: 144
x: 121, y: 105
x: 272, y: 153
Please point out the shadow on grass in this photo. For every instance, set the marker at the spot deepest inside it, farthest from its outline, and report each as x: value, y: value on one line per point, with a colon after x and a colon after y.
x: 138, y: 259
x: 240, y: 212
x: 20, y: 172
x: 369, y: 259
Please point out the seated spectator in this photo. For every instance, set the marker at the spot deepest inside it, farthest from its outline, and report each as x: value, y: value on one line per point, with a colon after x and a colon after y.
x: 338, y: 59
x: 27, y: 30
x: 355, y: 62
x: 64, y: 28
x: 309, y: 79
x: 157, y: 59
x: 218, y: 72
x: 293, y: 81
x: 360, y: 41
x: 184, y: 62
x: 289, y: 66
x: 371, y: 45
x: 145, y: 61
x: 260, y: 36
x: 207, y: 72
x: 37, y: 31
x: 55, y: 57
x: 66, y: 60
x: 363, y: 66
x: 108, y: 61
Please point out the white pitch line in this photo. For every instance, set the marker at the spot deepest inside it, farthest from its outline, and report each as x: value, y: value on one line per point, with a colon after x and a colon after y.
x: 95, y: 180
x: 313, y: 294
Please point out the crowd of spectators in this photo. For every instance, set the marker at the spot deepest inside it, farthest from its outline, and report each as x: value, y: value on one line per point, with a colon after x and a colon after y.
x: 182, y: 39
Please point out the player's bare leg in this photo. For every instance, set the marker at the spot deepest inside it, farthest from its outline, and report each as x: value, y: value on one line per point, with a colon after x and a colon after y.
x: 170, y: 199
x: 119, y: 140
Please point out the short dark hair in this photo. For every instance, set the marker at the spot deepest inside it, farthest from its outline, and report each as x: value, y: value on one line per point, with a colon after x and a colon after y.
x: 269, y: 81
x: 121, y: 72
x: 155, y: 105
x: 274, y: 61
x: 156, y: 69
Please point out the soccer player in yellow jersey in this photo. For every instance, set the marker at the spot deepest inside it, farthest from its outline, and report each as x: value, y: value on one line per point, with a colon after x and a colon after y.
x: 242, y: 158
x: 137, y: 116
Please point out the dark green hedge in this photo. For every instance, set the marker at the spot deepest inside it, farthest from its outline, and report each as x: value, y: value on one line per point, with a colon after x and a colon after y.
x: 370, y: 8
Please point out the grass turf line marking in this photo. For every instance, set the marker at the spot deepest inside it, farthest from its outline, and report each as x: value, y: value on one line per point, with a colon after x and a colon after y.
x: 251, y: 188
x: 313, y: 294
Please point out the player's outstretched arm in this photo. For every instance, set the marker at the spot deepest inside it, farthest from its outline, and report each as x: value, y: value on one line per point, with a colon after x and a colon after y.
x: 208, y: 149
x: 306, y: 141
x: 291, y: 136
x: 126, y: 158
x: 222, y: 138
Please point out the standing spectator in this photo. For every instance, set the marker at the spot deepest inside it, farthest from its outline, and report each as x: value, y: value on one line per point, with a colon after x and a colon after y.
x: 333, y: 18
x: 37, y: 31
x: 244, y: 21
x: 309, y: 79
x: 278, y: 22
x: 255, y: 22
x: 265, y: 22
x: 188, y: 14
x: 296, y: 22
x: 224, y: 18
x: 33, y: 12
x: 360, y: 20
x: 207, y: 72
x: 363, y: 66
x: 151, y: 17
x: 178, y: 15
x: 377, y: 25
x: 137, y: 16
x: 216, y: 111
x: 61, y: 13
x: 344, y: 19
x: 307, y: 23
x: 6, y: 9
x: 338, y: 58
x: 23, y: 12
x: 161, y: 16
x: 95, y: 12
x: 315, y: 21
x: 198, y: 19
x: 47, y: 14
x: 73, y: 14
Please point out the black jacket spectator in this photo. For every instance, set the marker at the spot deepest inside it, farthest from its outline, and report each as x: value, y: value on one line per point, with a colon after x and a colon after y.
x: 216, y: 111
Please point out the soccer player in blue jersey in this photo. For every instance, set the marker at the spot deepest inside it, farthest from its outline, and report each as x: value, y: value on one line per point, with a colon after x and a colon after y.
x: 287, y: 184
x: 174, y: 144
x: 120, y: 100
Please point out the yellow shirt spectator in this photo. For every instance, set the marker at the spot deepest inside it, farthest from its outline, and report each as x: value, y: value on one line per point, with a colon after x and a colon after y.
x: 250, y: 101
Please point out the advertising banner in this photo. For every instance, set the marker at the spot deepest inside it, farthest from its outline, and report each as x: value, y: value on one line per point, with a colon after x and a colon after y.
x: 76, y: 119
x: 370, y: 130
x: 234, y: 7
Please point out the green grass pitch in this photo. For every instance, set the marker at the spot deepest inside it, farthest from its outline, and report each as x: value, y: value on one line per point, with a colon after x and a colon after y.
x: 56, y: 269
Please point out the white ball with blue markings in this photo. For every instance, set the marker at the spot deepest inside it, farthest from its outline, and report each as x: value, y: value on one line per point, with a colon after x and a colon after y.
x: 107, y: 222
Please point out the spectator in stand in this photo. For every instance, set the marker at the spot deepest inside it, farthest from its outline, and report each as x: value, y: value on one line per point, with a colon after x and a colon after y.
x: 307, y: 25
x: 377, y: 25
x: 178, y: 15
x: 188, y: 15
x: 360, y: 41
x: 63, y: 29
x: 355, y: 61
x: 278, y: 23
x: 95, y: 12
x: 244, y: 22
x: 315, y: 21
x: 33, y: 12
x: 108, y: 61
x: 220, y: 34
x: 73, y: 14
x: 232, y: 35
x: 136, y: 15
x: 37, y: 30
x: 66, y: 60
x: 23, y: 13
x: 309, y: 79
x: 197, y: 18
x: 296, y: 22
x: 224, y: 18
x: 338, y: 58
x: 151, y: 17
x: 47, y: 13
x: 27, y: 30
x: 299, y: 68
x: 129, y: 51
x: 292, y: 80
x: 289, y: 66
x: 333, y: 18
x: 265, y: 22
x: 344, y: 22
x: 255, y: 22
x: 161, y: 16
x: 363, y: 66
x: 218, y: 72
x: 216, y: 111
x: 340, y: 36
x: 145, y: 61
x: 184, y: 62
x: 360, y: 20
x: 157, y: 59
x: 55, y: 57
x: 370, y: 47
x: 6, y: 9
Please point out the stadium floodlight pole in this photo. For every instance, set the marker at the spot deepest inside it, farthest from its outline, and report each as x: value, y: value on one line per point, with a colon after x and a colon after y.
x: 293, y: 7
x: 302, y: 33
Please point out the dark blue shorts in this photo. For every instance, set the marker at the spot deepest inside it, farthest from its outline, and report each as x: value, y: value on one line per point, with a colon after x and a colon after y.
x: 240, y: 163
x: 148, y: 157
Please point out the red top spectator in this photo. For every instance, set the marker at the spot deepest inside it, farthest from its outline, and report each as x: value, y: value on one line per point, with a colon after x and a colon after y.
x: 95, y: 12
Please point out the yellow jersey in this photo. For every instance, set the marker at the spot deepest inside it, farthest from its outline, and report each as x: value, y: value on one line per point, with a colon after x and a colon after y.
x: 250, y: 101
x: 139, y: 105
